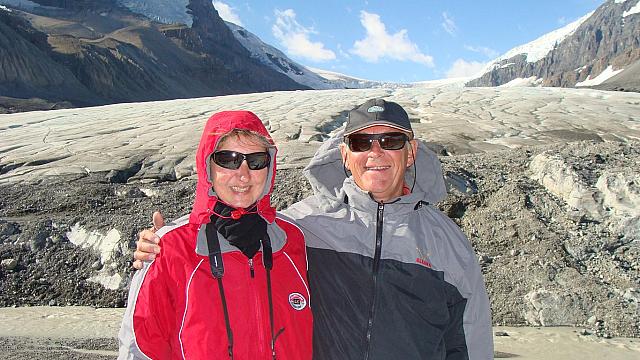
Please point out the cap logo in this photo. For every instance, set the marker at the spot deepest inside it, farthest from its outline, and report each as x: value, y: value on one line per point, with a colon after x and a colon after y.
x: 375, y: 108
x: 297, y: 301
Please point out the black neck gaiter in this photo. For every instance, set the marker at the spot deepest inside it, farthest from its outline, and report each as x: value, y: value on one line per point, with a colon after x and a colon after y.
x: 244, y: 233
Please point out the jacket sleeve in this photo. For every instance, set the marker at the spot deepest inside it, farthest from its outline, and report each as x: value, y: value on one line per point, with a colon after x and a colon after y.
x: 477, y: 314
x: 147, y: 323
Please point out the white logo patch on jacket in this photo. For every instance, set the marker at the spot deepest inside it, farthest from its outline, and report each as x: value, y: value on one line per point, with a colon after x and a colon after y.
x: 297, y: 301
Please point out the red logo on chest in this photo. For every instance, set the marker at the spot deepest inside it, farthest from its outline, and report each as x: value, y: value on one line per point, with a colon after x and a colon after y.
x: 423, y: 262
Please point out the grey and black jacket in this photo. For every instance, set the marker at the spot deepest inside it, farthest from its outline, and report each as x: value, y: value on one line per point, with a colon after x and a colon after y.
x: 390, y: 281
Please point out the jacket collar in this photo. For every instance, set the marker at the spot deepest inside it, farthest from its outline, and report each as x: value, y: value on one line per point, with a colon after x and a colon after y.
x: 276, y: 234
x: 358, y: 199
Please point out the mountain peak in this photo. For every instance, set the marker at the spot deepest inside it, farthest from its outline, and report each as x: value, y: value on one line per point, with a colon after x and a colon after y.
x: 599, y: 45
x: 69, y: 53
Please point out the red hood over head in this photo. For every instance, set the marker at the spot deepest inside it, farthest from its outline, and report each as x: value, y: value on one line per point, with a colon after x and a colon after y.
x: 218, y: 125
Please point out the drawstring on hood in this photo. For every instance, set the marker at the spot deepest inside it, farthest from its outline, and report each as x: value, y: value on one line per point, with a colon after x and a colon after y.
x: 245, y: 232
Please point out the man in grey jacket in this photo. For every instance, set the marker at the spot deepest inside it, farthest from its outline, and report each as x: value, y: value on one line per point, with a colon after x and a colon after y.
x: 391, y: 276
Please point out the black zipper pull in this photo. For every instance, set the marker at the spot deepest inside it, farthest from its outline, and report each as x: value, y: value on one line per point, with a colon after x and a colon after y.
x: 253, y: 274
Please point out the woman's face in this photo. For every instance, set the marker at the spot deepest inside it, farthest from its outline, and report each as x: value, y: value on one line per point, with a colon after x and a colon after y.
x: 242, y: 187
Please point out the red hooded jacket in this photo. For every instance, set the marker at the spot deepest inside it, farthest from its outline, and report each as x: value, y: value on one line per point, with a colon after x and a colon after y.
x: 174, y: 309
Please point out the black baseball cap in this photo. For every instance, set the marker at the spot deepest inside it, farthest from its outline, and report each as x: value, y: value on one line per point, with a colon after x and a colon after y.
x: 377, y: 112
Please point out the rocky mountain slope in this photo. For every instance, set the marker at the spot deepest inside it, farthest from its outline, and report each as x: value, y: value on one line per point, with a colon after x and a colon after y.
x: 277, y: 60
x: 606, y: 40
x: 173, y: 12
x: 88, y: 53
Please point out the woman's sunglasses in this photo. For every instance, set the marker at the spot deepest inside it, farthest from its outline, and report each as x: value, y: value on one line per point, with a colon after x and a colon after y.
x: 233, y: 159
x: 387, y: 141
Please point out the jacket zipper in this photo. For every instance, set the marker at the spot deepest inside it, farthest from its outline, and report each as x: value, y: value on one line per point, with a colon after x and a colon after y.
x: 376, y: 266
x: 258, y: 309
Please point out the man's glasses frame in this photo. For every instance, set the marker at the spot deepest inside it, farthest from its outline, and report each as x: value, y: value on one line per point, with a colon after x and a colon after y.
x: 233, y: 159
x: 387, y: 141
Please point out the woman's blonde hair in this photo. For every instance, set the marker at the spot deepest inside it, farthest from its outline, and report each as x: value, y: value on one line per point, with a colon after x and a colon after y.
x: 253, y: 135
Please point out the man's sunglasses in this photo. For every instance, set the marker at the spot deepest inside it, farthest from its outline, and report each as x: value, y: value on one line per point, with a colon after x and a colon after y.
x: 233, y: 159
x: 387, y: 141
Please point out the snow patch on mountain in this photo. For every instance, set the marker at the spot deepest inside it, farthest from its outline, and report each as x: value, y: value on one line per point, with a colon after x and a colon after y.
x: 540, y: 47
x: 343, y: 81
x: 633, y: 10
x: 277, y: 60
x: 606, y: 74
x: 523, y: 82
x: 449, y: 83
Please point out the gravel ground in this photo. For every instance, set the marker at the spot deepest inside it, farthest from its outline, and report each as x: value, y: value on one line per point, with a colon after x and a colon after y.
x: 19, y: 348
x: 545, y: 263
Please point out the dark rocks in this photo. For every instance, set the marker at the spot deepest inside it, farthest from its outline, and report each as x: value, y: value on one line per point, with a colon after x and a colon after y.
x: 484, y: 260
x: 130, y: 193
x: 543, y: 265
x: 49, y: 267
x: 526, y: 238
x: 35, y: 237
x: 460, y: 181
x: 8, y: 228
x: 456, y: 210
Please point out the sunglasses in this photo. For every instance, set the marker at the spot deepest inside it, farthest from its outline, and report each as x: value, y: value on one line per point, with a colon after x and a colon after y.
x: 233, y: 159
x: 387, y: 141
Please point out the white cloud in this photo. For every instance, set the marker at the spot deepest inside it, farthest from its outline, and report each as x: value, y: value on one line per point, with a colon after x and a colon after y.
x: 379, y: 44
x: 488, y: 52
x: 449, y: 25
x: 562, y: 20
x: 295, y: 38
x: 343, y: 54
x: 462, y: 68
x: 227, y: 13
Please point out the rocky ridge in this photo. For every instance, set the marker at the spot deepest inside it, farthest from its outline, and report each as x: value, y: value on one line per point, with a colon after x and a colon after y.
x: 89, y: 53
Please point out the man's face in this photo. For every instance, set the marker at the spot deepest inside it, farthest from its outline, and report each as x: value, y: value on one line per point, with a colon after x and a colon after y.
x: 378, y: 171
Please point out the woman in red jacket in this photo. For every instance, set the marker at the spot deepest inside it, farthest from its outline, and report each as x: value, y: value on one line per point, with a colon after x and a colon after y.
x: 230, y: 281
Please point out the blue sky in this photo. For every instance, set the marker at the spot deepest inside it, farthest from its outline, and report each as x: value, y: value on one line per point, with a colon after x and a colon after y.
x: 401, y: 41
